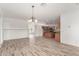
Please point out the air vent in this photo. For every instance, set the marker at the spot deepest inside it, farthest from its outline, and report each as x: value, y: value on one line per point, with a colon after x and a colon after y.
x: 77, y: 4
x: 43, y: 4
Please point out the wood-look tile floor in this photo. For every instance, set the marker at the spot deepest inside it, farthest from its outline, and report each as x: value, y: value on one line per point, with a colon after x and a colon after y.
x: 41, y: 47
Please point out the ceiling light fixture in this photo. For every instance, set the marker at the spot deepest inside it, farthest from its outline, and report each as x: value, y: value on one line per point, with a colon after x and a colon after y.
x: 33, y: 19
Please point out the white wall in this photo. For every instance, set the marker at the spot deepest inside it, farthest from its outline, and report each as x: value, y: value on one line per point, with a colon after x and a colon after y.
x: 18, y: 28
x: 15, y: 28
x: 70, y: 28
x: 1, y: 27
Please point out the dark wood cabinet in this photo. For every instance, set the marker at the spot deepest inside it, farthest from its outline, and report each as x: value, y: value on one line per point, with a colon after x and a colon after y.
x: 48, y: 32
x: 57, y: 37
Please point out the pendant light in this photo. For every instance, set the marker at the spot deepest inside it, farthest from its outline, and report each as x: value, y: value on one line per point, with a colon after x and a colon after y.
x: 33, y: 19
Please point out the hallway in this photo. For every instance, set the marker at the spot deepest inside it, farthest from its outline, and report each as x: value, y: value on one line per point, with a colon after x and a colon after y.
x: 41, y: 47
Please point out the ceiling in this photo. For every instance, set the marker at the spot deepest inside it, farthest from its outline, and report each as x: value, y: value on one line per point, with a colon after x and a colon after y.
x: 44, y: 12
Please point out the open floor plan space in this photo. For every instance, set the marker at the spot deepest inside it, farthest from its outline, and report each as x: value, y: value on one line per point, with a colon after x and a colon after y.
x: 39, y: 29
x: 41, y: 47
